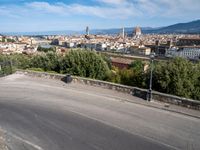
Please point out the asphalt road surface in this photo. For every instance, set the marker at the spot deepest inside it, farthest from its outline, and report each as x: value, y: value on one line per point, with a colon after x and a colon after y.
x: 42, y: 114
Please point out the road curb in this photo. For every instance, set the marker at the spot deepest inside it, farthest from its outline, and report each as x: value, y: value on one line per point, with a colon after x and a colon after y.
x: 161, y: 108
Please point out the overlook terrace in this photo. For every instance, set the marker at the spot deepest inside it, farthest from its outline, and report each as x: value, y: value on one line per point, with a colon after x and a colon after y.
x: 81, y: 117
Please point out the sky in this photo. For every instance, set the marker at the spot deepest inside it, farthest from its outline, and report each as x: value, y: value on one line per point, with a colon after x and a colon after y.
x: 56, y: 15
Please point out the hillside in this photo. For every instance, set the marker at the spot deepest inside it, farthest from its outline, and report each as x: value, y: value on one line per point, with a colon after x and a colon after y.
x: 187, y: 28
x: 190, y: 27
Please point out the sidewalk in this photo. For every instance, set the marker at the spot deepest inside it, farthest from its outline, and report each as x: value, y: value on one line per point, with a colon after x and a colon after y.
x: 132, y: 99
x: 126, y: 97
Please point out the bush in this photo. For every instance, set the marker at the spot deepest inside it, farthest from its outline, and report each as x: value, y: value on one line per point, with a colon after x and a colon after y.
x: 114, y: 76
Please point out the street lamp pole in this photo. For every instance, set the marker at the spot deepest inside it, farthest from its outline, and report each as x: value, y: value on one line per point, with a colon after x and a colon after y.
x: 152, y: 56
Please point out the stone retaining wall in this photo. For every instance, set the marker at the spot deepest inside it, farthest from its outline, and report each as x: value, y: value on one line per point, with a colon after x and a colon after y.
x: 138, y: 92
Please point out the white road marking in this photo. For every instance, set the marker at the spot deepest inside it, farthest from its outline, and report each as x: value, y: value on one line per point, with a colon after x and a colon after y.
x: 27, y: 142
x: 23, y: 140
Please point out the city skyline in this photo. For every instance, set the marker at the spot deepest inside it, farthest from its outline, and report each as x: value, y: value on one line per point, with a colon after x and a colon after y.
x: 51, y: 15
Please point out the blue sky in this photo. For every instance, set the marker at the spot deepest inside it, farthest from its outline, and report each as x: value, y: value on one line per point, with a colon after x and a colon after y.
x: 54, y: 15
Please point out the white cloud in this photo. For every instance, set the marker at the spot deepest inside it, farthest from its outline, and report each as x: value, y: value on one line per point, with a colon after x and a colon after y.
x: 111, y: 9
x: 112, y: 1
x: 170, y: 8
x: 124, y: 8
x: 46, y: 7
x: 99, y: 11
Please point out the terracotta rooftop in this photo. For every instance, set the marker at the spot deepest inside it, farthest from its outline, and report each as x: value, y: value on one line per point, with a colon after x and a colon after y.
x: 121, y: 60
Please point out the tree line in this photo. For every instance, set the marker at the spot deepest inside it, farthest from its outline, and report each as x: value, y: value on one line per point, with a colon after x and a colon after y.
x: 177, y: 76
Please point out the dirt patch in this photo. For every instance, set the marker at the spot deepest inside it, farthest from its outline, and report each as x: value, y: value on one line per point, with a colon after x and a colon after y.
x: 13, y: 77
x: 2, y: 141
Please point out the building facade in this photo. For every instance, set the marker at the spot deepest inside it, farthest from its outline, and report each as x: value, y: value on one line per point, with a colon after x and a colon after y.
x: 189, y: 52
x: 188, y: 41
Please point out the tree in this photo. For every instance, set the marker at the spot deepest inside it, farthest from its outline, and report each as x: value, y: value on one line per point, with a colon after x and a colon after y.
x: 5, y: 64
x: 196, y: 91
x: 42, y: 49
x: 127, y: 76
x: 138, y: 76
x: 114, y: 75
x: 53, y: 61
x: 107, y: 59
x: 137, y: 65
x: 175, y: 77
x: 20, y: 61
x: 11, y: 40
x: 85, y: 63
x: 49, y: 61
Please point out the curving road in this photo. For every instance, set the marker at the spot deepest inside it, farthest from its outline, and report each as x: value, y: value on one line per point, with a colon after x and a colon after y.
x: 42, y: 114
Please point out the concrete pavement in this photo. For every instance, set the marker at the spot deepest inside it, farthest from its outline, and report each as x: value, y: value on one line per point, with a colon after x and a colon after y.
x: 38, y: 113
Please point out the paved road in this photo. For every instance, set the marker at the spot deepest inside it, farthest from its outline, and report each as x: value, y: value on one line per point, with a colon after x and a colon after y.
x: 41, y: 114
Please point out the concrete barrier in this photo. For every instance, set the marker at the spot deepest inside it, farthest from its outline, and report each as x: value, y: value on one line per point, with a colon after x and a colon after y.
x: 176, y: 100
x: 138, y: 92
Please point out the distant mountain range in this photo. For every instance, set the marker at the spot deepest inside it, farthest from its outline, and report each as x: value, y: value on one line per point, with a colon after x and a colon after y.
x: 186, y: 28
x: 128, y: 30
x: 189, y: 27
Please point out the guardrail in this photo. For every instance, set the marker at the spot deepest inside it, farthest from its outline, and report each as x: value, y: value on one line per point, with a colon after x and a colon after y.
x: 138, y: 92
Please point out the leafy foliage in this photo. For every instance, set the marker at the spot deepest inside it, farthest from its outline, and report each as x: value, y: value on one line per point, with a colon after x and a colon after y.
x: 85, y: 63
x: 177, y: 76
x: 76, y: 62
x: 42, y: 49
x: 5, y: 65
x: 11, y: 40
x: 133, y: 76
x: 47, y: 61
x: 7, y: 40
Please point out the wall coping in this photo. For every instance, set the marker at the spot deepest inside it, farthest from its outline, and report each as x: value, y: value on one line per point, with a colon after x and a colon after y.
x: 122, y: 88
x: 82, y: 78
x: 176, y: 97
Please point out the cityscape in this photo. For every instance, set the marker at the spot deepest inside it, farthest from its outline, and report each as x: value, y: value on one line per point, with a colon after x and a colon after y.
x: 135, y: 43
x: 99, y: 75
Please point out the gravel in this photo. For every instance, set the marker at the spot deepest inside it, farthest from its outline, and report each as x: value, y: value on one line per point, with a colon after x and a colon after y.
x: 2, y: 141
